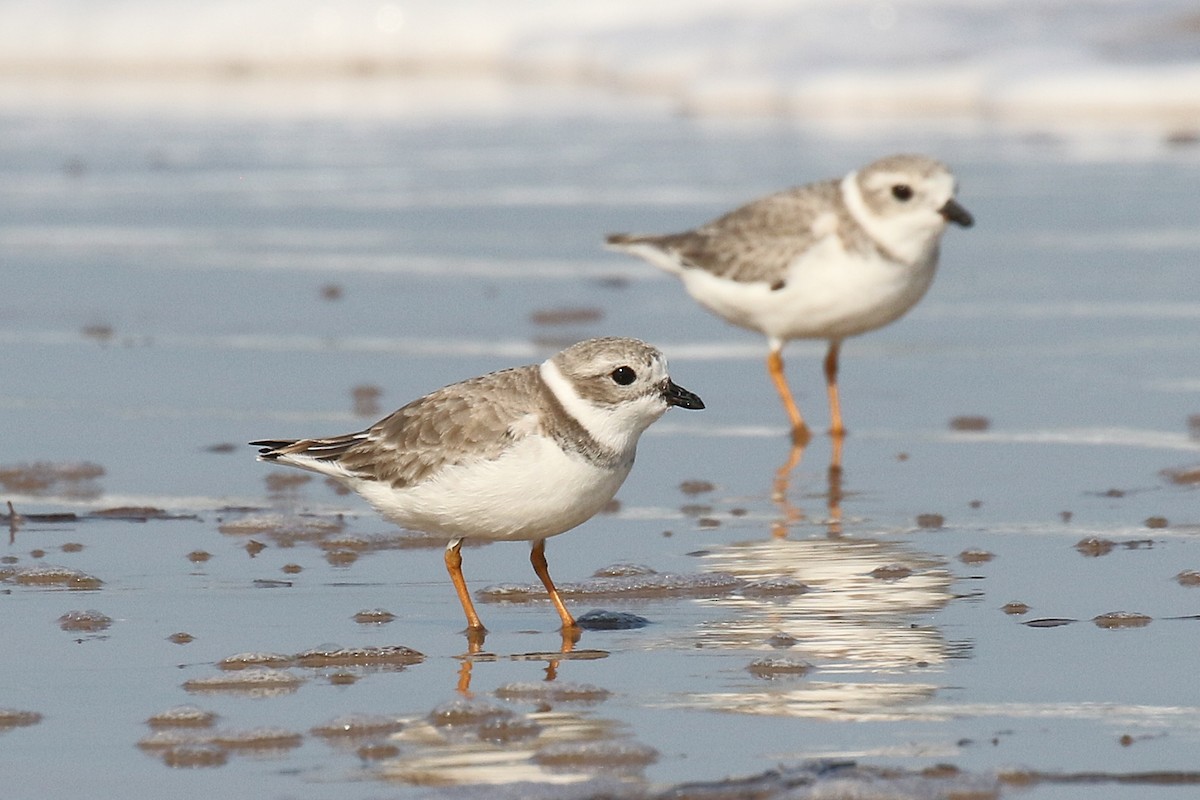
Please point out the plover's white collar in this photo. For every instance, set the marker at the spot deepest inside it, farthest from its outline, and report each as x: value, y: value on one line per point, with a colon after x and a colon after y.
x: 615, y: 427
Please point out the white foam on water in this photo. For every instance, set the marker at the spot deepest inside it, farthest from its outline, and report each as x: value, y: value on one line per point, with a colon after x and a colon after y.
x: 1103, y: 437
x: 1097, y: 62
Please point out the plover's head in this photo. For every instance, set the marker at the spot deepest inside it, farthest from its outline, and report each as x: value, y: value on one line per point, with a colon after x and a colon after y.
x: 908, y: 200
x: 615, y: 387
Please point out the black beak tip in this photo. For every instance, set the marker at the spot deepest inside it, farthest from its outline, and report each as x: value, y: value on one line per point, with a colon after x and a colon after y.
x: 678, y: 396
x: 953, y: 212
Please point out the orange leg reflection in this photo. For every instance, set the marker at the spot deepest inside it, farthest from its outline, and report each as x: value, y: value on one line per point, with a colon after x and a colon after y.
x: 834, y: 496
x: 475, y: 639
x: 475, y: 653
x: 14, y: 522
x: 569, y: 637
x: 779, y: 493
x: 781, y: 484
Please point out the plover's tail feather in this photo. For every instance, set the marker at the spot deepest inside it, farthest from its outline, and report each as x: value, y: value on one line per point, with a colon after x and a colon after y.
x: 316, y: 455
x: 270, y: 449
x: 657, y: 250
x: 621, y: 239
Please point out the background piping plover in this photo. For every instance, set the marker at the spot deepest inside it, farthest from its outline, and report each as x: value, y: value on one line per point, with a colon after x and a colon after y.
x: 828, y: 260
x: 521, y: 454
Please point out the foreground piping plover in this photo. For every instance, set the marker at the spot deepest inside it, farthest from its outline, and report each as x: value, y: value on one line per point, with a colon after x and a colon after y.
x: 517, y: 455
x: 828, y: 260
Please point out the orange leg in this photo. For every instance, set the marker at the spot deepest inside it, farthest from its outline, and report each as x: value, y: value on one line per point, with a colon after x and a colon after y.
x: 537, y: 557
x: 800, y: 432
x: 835, y: 406
x: 454, y: 567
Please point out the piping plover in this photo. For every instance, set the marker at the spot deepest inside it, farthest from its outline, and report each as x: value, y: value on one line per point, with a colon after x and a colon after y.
x: 828, y: 260
x: 516, y: 455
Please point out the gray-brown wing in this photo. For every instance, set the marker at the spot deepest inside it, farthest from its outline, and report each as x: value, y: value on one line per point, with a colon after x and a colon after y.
x: 757, y: 241
x: 475, y: 419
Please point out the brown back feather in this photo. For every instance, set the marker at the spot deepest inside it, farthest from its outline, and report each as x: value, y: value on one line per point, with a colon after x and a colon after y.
x: 473, y: 419
x: 758, y: 241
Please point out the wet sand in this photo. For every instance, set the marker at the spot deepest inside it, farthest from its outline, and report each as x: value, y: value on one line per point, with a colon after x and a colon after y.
x: 996, y: 595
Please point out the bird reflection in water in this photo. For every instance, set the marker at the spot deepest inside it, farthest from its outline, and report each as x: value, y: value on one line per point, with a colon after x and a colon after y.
x: 545, y: 732
x: 791, y: 514
x: 475, y: 653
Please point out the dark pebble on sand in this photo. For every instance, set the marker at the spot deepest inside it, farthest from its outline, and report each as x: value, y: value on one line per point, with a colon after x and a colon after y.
x: 695, y: 486
x: 602, y: 620
x: 1093, y: 546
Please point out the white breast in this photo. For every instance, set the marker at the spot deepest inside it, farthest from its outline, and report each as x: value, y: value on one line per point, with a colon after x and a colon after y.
x: 533, y: 491
x: 828, y: 294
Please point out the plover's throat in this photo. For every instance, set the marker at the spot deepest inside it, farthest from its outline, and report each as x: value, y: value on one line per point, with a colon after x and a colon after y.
x: 581, y: 427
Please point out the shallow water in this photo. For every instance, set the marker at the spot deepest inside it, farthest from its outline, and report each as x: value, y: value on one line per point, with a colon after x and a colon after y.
x: 184, y: 276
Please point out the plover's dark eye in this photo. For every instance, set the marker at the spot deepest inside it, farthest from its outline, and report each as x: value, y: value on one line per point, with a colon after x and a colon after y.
x: 902, y: 192
x: 624, y: 375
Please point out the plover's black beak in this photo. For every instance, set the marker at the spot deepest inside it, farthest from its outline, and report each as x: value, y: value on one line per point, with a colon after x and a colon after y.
x: 678, y: 396
x: 955, y: 213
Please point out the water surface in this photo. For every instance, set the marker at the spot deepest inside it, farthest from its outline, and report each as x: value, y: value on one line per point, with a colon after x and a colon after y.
x: 181, y: 278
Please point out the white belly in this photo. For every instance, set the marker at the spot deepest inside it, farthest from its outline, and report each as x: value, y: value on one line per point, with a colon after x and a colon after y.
x: 533, y: 491
x: 828, y: 294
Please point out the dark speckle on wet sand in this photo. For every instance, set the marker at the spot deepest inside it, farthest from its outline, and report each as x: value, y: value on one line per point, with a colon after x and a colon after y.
x: 970, y: 423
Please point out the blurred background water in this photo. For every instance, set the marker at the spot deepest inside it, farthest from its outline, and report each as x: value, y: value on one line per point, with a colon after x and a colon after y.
x: 1101, y: 59
x: 235, y: 221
